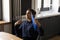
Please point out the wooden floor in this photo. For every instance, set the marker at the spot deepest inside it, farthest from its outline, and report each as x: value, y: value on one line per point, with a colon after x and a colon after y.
x: 55, y: 38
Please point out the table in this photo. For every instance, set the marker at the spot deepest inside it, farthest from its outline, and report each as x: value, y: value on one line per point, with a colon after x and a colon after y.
x: 7, y: 36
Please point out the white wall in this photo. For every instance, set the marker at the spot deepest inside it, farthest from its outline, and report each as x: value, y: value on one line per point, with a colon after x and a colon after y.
x: 37, y: 4
x: 33, y: 4
x: 6, y: 10
x: 6, y: 15
x: 55, y: 5
x: 59, y: 2
x: 47, y: 3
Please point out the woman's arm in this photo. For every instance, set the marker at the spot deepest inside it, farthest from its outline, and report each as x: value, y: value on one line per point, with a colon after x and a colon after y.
x: 38, y: 23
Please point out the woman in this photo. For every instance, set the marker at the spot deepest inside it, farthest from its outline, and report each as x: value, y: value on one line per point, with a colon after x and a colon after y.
x: 27, y: 26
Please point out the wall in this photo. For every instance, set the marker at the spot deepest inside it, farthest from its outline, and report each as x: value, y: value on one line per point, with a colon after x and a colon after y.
x: 25, y: 4
x: 33, y: 4
x: 37, y: 4
x: 16, y: 9
x: 0, y: 9
x: 8, y: 28
x: 59, y: 2
x: 6, y: 10
x: 55, y: 5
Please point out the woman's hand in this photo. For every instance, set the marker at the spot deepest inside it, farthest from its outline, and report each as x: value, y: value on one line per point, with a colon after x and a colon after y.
x: 18, y: 22
x: 37, y: 22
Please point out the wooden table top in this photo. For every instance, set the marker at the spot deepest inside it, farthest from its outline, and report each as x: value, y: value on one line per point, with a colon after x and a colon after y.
x: 7, y: 36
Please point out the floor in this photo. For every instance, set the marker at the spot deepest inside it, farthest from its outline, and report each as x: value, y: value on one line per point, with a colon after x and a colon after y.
x: 55, y: 38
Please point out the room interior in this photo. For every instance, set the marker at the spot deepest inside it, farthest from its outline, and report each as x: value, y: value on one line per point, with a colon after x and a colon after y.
x: 47, y: 12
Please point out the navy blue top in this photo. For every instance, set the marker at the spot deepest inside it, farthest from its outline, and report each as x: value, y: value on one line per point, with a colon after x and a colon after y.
x: 27, y: 29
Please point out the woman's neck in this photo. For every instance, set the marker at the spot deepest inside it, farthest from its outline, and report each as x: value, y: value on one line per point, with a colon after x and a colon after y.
x: 29, y: 20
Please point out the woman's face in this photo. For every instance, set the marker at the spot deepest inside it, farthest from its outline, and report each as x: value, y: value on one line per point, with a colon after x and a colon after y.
x: 28, y: 14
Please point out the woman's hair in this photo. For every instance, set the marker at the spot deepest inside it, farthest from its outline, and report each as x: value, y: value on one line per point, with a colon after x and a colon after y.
x: 33, y: 11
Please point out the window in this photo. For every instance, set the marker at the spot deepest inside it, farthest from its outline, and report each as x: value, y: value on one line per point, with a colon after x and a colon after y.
x: 48, y: 8
x: 46, y: 5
